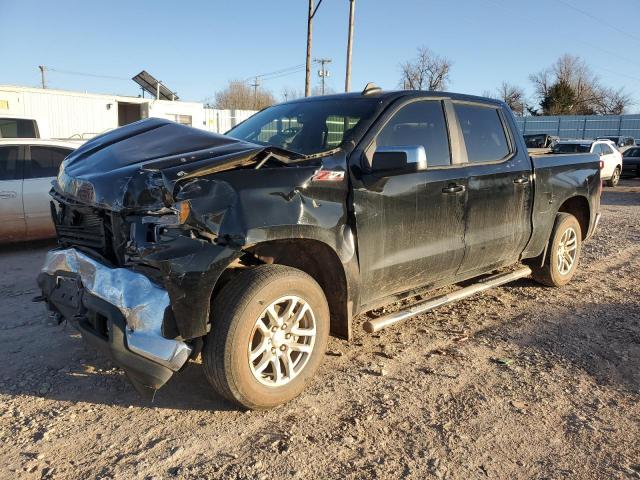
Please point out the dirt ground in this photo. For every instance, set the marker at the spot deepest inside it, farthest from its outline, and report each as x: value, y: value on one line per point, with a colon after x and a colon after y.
x: 521, y: 382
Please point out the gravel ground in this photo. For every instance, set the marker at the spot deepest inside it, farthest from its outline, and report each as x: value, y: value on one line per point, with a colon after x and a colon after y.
x: 521, y: 382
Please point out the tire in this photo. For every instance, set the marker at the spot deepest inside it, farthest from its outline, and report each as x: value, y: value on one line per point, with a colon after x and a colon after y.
x: 615, y: 178
x: 290, y: 355
x: 551, y: 273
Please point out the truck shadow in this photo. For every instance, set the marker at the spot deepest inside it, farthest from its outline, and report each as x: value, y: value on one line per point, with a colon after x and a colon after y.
x: 75, y: 373
x: 602, y: 340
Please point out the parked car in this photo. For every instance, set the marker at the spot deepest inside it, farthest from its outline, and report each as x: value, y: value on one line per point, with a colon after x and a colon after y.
x: 27, y: 168
x: 540, y: 140
x: 18, y: 127
x: 631, y: 162
x: 253, y: 246
x: 608, y: 153
x: 620, y: 141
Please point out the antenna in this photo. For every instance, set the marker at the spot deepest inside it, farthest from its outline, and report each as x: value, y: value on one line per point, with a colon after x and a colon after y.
x: 371, y: 88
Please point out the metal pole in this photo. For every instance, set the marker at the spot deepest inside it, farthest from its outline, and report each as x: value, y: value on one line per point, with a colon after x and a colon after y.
x: 255, y: 86
x: 347, y: 79
x: 158, y: 90
x: 307, y: 78
x: 322, y: 73
x: 42, y: 76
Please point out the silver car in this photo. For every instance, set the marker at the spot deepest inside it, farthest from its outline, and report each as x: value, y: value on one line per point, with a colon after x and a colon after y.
x: 27, y: 167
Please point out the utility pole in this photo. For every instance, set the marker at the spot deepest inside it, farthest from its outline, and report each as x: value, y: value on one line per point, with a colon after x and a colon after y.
x: 255, y: 85
x: 322, y: 73
x: 347, y: 79
x: 307, y: 78
x: 42, y: 75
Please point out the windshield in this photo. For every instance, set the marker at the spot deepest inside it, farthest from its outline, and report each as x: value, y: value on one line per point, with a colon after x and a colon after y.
x: 535, y: 141
x: 571, y: 148
x: 306, y: 127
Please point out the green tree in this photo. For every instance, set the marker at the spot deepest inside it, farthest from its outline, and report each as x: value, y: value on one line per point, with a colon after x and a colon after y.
x: 560, y: 99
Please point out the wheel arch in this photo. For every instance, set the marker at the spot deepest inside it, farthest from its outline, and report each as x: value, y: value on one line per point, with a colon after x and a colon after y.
x: 313, y: 257
x: 578, y: 206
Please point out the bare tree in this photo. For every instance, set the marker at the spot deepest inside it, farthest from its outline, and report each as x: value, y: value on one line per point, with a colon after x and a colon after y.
x: 612, y: 102
x: 239, y: 95
x: 569, y: 87
x: 290, y: 93
x: 317, y: 91
x: 427, y: 71
x: 513, y: 96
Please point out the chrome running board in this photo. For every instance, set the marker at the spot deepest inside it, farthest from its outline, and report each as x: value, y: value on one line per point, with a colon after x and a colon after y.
x: 378, y: 324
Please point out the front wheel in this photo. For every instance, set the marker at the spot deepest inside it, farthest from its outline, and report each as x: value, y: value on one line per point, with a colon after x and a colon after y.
x: 269, y: 332
x: 615, y: 178
x: 563, y: 253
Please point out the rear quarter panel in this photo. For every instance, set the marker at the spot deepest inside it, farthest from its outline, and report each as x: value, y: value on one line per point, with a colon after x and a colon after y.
x: 557, y: 179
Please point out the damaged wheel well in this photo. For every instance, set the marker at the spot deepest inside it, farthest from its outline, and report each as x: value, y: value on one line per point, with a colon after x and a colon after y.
x: 317, y: 260
x: 579, y: 208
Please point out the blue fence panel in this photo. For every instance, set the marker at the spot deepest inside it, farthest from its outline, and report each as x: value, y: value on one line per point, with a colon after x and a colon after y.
x: 582, y: 126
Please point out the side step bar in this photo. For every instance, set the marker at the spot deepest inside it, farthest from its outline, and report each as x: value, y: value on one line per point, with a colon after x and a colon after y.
x: 379, y: 323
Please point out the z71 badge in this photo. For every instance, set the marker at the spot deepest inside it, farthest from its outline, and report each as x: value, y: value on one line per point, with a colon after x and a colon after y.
x: 328, y: 176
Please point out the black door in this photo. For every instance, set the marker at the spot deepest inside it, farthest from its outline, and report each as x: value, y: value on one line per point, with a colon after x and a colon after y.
x: 410, y: 222
x: 498, y: 216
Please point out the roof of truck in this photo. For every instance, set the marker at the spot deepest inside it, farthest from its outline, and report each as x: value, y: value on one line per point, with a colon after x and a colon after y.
x: 391, y: 95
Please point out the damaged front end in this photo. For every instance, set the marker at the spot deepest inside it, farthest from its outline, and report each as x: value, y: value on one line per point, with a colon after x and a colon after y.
x: 148, y: 218
x: 119, y: 311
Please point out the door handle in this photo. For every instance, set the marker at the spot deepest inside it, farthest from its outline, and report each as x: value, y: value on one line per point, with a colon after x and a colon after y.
x: 453, y: 188
x: 6, y: 194
x: 521, y: 180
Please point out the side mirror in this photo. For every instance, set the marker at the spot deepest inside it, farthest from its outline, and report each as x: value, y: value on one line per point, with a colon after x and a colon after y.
x: 399, y: 157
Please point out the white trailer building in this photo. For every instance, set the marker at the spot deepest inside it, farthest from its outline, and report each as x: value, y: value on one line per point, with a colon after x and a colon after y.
x: 67, y: 114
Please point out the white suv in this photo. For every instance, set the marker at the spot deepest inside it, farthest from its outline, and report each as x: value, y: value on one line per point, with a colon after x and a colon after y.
x: 606, y: 150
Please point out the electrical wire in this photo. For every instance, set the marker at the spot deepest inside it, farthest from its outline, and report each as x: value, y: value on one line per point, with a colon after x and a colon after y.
x: 599, y: 19
x: 84, y: 74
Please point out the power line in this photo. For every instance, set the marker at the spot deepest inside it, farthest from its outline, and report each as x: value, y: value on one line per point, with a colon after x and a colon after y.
x: 599, y: 19
x: 85, y: 74
x: 277, y: 72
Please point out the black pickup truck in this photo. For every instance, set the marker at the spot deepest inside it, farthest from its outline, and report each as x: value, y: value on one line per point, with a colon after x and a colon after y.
x: 250, y: 248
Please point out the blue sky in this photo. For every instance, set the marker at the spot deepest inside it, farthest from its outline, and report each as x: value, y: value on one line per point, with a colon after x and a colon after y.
x: 196, y: 46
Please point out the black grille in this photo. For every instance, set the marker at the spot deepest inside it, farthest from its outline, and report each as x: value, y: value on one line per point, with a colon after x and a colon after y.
x: 88, y: 232
x: 87, y: 228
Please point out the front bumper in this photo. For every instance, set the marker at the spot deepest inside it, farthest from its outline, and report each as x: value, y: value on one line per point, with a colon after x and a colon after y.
x: 116, y: 310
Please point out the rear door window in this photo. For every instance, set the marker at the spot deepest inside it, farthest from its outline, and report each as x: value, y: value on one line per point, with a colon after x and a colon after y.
x: 45, y: 161
x: 11, y: 163
x: 483, y: 131
x: 17, y: 128
x: 597, y: 149
x: 606, y: 149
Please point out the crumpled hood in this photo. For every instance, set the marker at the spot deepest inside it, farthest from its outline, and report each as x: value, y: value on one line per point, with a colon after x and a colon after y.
x: 138, y: 165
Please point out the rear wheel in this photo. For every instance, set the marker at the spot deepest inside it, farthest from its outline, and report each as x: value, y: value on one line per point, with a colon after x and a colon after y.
x: 563, y: 253
x: 615, y: 178
x: 269, y: 332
